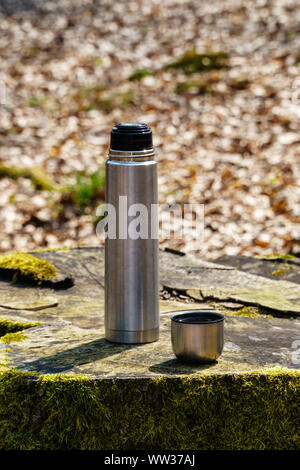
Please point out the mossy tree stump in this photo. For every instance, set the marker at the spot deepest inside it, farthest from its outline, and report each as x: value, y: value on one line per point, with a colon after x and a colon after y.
x: 63, y: 386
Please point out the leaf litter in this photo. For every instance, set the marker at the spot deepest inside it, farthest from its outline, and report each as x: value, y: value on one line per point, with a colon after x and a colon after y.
x: 218, y: 82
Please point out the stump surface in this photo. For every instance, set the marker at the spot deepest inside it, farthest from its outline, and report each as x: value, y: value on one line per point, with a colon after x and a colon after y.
x: 70, y: 336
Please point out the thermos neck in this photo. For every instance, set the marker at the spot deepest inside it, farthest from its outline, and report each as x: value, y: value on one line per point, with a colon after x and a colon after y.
x: 131, y: 155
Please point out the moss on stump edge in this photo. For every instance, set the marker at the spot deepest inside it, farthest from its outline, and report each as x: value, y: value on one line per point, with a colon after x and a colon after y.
x: 244, y: 411
x: 26, y: 265
x: 8, y: 326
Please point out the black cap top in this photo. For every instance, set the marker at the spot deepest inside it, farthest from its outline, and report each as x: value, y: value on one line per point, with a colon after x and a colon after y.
x: 131, y: 136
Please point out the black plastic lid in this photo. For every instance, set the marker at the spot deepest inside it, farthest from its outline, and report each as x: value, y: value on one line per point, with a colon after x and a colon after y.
x: 200, y: 316
x: 131, y: 136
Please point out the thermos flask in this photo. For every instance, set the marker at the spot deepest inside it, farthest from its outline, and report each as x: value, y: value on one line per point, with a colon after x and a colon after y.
x: 131, y: 256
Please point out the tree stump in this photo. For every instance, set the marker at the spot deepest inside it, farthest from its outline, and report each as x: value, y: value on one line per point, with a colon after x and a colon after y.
x: 62, y: 385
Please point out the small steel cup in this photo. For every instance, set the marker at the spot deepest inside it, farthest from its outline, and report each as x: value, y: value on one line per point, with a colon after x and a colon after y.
x: 197, y: 335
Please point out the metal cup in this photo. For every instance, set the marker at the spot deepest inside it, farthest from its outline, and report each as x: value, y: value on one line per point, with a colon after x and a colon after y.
x: 197, y: 336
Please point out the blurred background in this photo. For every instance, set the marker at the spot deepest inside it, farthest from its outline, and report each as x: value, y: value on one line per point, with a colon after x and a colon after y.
x: 218, y: 82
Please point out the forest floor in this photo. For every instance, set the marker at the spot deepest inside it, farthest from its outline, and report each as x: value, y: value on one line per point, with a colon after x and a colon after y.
x: 219, y: 84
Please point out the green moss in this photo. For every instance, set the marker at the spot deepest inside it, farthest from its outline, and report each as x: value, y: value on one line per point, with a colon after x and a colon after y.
x: 201, y: 88
x: 139, y: 74
x: 37, y: 101
x: 110, y: 102
x: 247, y: 411
x: 192, y: 62
x: 24, y: 264
x: 281, y: 271
x: 291, y: 33
x: 86, y: 189
x: 11, y: 331
x: 246, y: 311
x: 39, y: 179
x: 45, y: 250
x: 9, y: 131
x: 98, y: 97
x: 252, y: 312
x: 11, y: 337
x: 10, y: 326
x: 90, y: 92
x: 276, y: 257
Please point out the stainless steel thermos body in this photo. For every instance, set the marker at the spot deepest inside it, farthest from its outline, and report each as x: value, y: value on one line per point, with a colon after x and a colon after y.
x: 131, y: 257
